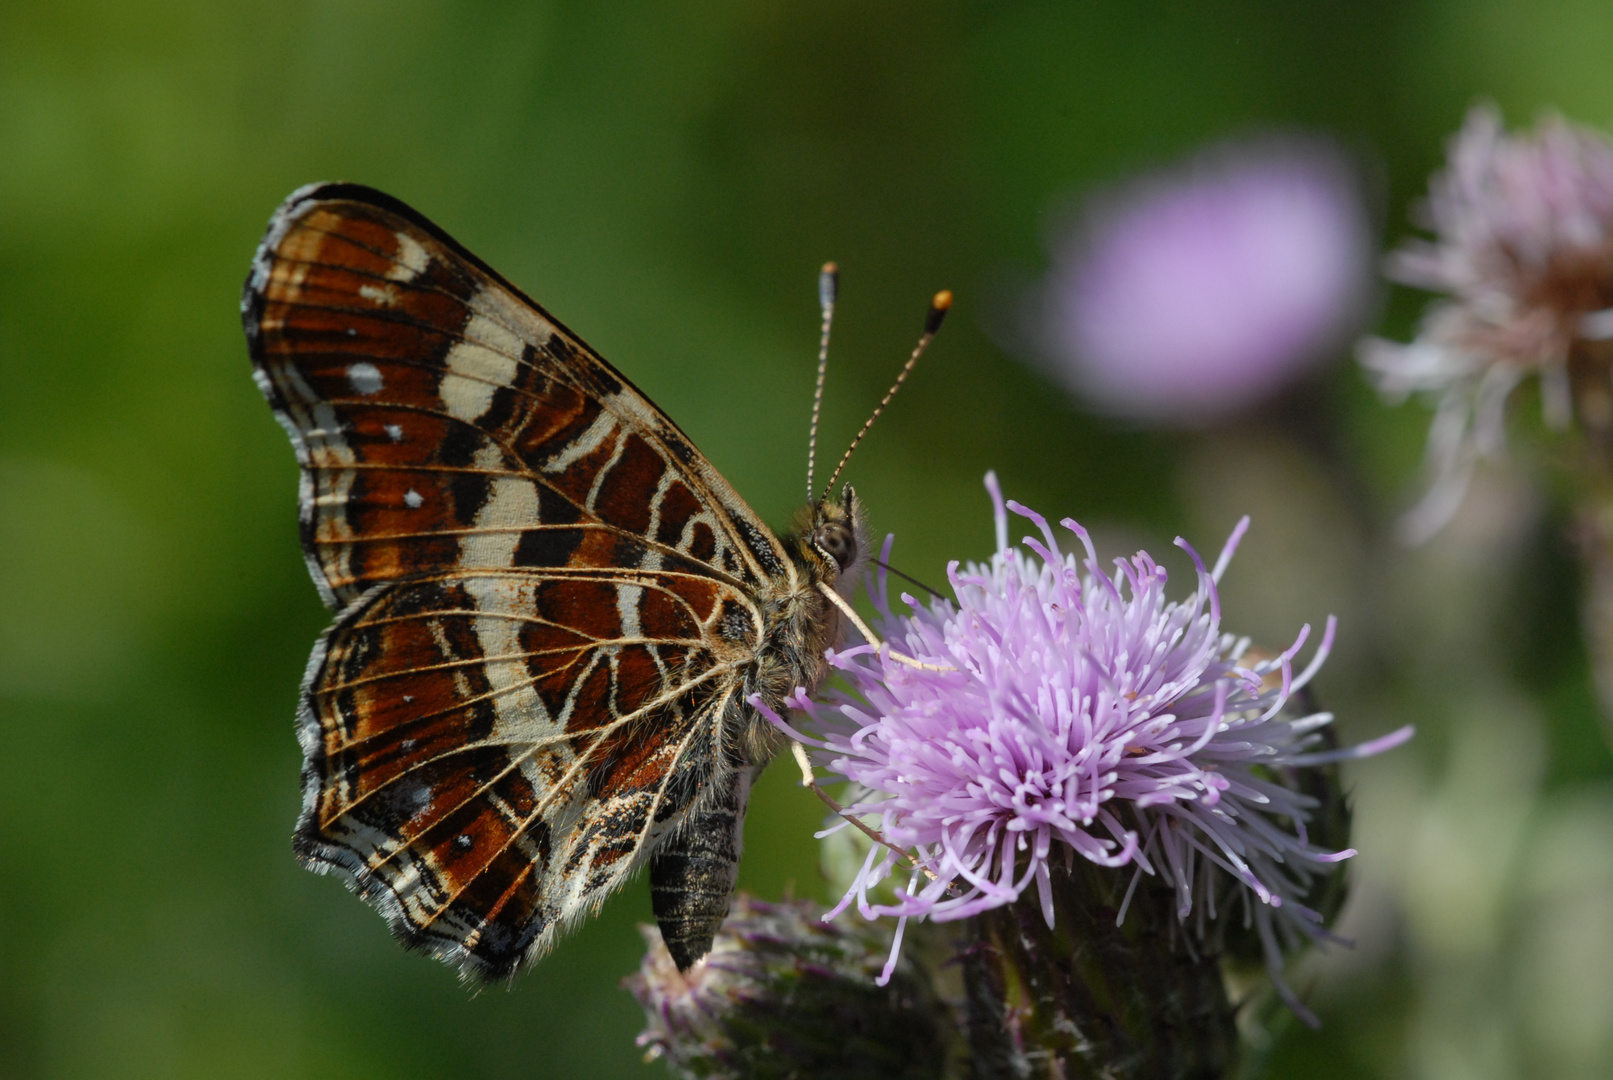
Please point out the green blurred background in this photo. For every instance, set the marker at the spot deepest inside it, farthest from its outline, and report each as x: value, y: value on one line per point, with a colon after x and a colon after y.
x: 667, y: 179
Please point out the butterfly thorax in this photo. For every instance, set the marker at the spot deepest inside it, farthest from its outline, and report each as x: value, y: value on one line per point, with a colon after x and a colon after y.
x: 693, y: 874
x: 826, y: 546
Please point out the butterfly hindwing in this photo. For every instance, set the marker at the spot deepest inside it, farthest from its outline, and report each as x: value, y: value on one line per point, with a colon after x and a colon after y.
x: 545, y: 594
x: 486, y: 764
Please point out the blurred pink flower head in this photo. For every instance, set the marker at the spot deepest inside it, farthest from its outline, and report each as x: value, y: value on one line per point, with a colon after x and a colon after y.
x: 1523, y: 246
x: 1199, y: 291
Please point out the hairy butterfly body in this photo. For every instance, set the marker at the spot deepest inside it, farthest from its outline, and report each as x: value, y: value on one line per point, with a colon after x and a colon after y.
x: 550, y: 608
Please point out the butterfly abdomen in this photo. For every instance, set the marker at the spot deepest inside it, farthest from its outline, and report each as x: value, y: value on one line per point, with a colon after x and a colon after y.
x: 693, y: 873
x: 692, y: 876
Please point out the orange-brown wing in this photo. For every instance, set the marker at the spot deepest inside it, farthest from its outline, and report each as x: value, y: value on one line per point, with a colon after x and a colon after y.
x: 490, y: 753
x: 545, y: 594
x: 439, y: 414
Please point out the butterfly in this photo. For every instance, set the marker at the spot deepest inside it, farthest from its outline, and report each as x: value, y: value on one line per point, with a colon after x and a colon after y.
x: 552, y: 613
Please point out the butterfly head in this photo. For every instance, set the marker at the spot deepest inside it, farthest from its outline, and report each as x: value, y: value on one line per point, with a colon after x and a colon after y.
x: 833, y: 539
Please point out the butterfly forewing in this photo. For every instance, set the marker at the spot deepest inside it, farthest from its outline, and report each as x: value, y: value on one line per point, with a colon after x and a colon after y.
x: 545, y: 595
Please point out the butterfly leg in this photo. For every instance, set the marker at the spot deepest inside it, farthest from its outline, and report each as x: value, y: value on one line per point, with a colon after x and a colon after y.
x: 692, y: 874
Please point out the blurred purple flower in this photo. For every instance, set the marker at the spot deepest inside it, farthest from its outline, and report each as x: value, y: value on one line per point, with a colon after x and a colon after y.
x: 1524, y: 246
x: 1077, y: 712
x: 1199, y: 291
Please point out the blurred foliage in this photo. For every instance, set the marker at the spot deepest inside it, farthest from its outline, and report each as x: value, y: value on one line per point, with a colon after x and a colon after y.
x: 667, y: 178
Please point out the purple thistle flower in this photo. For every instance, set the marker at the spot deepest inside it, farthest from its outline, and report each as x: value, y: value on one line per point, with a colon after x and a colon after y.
x: 1077, y: 713
x: 1523, y: 245
x: 1197, y: 292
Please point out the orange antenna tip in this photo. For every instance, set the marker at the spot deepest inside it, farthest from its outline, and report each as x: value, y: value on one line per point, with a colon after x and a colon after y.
x: 938, y: 311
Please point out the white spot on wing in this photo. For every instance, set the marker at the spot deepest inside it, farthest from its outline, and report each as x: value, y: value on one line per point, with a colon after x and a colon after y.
x: 502, y: 308
x: 521, y: 713
x: 604, y: 472
x: 487, y: 358
x: 365, y: 377
x: 385, y: 295
x: 511, y: 506
x: 627, y: 598
x: 394, y: 432
x: 411, y: 260
x: 584, y: 444
x: 414, y: 499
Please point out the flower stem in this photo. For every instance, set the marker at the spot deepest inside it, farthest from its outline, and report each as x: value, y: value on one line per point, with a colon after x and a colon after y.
x: 1087, y: 998
x: 1589, y: 468
x: 1593, y: 535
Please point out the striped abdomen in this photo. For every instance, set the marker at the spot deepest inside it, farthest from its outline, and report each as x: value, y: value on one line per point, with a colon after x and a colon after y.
x: 692, y: 874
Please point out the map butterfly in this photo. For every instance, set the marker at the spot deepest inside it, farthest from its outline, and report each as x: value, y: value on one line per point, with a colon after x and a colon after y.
x: 551, y: 610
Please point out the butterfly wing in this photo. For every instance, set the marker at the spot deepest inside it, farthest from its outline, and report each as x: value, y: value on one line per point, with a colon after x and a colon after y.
x: 545, y: 594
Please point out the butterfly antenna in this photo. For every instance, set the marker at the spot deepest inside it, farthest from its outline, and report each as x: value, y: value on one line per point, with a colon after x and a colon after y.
x: 932, y: 322
x: 828, y: 289
x: 909, y: 578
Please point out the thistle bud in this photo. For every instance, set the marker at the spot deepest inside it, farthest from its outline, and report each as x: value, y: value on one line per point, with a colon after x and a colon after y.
x: 783, y: 994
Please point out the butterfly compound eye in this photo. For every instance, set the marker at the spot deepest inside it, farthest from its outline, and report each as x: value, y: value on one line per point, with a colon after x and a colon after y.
x: 836, y: 541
